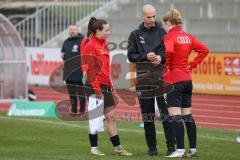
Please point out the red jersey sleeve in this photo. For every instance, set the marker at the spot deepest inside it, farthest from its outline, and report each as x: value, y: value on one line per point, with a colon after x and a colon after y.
x: 202, y: 51
x: 169, y: 50
x: 81, y: 53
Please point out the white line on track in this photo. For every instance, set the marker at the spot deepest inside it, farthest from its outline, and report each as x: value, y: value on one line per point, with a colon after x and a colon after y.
x: 217, y: 111
x: 215, y: 105
x: 211, y: 99
x: 217, y: 117
x: 219, y: 124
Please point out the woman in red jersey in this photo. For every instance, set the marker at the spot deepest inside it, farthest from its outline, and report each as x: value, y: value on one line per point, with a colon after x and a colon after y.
x: 178, y: 47
x: 98, y: 82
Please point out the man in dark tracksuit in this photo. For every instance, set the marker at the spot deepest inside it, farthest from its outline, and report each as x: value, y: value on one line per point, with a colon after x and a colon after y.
x: 72, y: 73
x: 146, y: 49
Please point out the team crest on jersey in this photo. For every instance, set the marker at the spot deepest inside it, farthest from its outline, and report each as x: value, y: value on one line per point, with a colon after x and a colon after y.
x: 183, y: 40
x: 75, y: 48
x: 142, y: 40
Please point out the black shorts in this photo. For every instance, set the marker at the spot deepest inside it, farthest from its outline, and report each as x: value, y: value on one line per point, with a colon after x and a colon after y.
x: 106, y: 91
x: 181, y: 96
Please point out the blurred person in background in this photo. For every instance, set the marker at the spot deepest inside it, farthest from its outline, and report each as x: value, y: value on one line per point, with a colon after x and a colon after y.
x: 72, y: 72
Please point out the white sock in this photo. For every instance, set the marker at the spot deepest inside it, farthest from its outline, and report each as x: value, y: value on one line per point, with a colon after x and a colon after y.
x: 181, y: 150
x: 193, y: 150
x: 118, y: 147
x: 94, y: 148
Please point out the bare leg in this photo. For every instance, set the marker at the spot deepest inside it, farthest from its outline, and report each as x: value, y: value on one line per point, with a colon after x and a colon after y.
x: 111, y: 123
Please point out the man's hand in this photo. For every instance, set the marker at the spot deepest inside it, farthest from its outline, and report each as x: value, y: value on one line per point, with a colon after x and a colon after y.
x: 157, y: 61
x: 151, y: 56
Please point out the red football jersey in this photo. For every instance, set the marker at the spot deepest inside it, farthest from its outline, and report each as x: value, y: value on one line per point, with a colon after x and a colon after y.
x: 96, y: 56
x: 178, y: 47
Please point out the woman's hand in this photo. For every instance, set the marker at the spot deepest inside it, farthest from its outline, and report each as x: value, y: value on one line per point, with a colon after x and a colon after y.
x: 99, y: 95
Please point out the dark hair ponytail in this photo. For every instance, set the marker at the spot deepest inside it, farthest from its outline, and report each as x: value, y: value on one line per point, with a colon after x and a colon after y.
x: 93, y: 25
x: 98, y: 25
x: 90, y: 26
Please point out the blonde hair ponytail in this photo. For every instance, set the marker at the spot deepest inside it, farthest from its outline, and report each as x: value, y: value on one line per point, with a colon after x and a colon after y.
x: 174, y: 17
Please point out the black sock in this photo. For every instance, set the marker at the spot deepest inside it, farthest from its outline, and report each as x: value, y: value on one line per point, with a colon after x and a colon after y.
x: 169, y: 133
x: 191, y: 130
x: 93, y: 138
x: 115, y: 140
x: 178, y: 127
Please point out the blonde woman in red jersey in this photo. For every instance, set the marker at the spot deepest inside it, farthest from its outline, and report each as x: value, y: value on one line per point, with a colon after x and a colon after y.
x: 98, y: 82
x: 178, y: 47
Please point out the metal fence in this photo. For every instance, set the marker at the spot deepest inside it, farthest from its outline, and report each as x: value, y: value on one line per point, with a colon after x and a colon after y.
x: 53, y: 19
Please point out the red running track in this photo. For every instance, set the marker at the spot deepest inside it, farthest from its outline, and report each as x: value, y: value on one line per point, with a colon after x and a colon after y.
x: 209, y: 110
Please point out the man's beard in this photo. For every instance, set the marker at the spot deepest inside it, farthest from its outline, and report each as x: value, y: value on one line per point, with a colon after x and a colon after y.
x: 73, y: 35
x: 152, y: 25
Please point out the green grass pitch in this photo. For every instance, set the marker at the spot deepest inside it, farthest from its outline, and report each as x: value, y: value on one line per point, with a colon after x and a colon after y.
x: 46, y: 139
